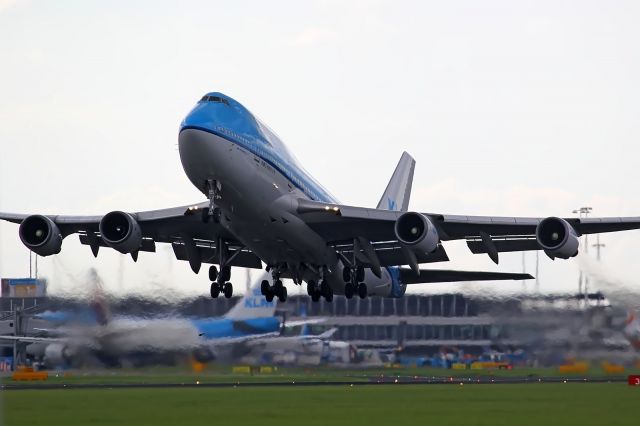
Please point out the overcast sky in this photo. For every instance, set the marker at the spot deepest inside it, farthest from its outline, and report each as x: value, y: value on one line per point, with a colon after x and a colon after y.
x: 509, y: 108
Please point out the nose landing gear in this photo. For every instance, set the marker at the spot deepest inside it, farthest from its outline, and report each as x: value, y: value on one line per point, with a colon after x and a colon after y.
x: 213, y: 188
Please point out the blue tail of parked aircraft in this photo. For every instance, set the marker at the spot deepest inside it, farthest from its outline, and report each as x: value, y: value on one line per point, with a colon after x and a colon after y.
x: 396, y: 195
x: 253, y: 304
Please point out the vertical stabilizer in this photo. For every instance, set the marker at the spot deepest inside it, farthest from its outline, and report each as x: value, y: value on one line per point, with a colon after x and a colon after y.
x: 98, y: 300
x: 253, y: 304
x: 396, y: 196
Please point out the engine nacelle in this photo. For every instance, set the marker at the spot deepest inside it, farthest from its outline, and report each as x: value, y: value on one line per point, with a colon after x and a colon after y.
x: 557, y: 238
x: 57, y: 354
x: 121, y: 231
x: 416, y: 231
x: 41, y: 235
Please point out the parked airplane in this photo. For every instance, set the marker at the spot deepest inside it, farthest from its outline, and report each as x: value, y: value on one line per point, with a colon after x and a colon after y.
x: 74, y: 337
x: 305, y: 348
x: 264, y: 207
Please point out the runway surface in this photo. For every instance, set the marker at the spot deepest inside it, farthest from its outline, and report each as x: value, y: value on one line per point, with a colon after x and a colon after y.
x: 372, y: 381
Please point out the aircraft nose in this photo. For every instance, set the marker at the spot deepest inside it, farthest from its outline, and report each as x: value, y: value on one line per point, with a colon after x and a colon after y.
x: 202, y: 116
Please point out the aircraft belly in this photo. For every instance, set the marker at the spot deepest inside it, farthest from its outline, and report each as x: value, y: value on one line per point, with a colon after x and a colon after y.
x: 258, y: 202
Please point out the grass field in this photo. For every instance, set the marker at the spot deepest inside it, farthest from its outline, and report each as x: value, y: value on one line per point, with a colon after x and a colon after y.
x: 388, y: 405
x: 223, y: 374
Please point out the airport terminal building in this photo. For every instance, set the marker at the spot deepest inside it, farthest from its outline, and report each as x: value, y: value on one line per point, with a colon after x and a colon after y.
x: 419, y: 324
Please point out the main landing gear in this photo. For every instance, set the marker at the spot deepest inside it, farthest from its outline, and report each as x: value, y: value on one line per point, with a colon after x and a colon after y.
x: 354, y: 282
x: 270, y: 291
x: 316, y: 291
x: 221, y: 279
x: 220, y: 282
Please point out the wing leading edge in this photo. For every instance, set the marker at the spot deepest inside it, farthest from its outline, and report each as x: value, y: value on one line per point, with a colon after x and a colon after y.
x: 408, y: 276
x: 183, y: 227
x: 341, y: 225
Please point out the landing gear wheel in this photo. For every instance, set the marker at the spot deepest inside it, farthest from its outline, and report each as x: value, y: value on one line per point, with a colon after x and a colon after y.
x: 346, y: 274
x: 349, y: 290
x: 315, y: 296
x: 213, y: 273
x: 360, y: 274
x: 311, y: 287
x: 269, y: 296
x: 228, y: 290
x: 362, y: 290
x: 225, y: 273
x: 215, y: 290
x: 278, y: 284
x: 282, y: 294
x: 205, y: 215
x: 264, y: 287
x: 329, y: 296
x: 216, y: 215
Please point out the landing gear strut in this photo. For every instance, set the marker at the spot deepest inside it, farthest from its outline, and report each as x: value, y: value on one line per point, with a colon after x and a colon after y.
x: 221, y: 278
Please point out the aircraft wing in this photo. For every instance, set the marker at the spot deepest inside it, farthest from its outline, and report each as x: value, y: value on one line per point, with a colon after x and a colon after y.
x: 192, y: 240
x: 407, y: 276
x: 306, y: 321
x: 240, y: 339
x: 33, y: 339
x: 340, y: 225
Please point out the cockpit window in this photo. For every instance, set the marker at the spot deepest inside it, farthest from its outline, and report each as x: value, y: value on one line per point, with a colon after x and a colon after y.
x: 214, y: 99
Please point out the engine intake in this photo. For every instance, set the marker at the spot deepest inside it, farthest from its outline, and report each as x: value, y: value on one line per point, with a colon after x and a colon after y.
x: 41, y: 235
x: 557, y: 237
x: 121, y: 231
x: 416, y: 231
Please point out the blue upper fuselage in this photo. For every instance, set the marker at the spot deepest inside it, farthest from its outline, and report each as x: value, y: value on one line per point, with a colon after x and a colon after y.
x: 223, y: 327
x: 223, y: 116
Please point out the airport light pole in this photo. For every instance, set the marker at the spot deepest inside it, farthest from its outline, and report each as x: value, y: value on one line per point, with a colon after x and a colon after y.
x: 583, y: 212
x: 598, y: 245
x: 537, y: 271
x: 524, y: 270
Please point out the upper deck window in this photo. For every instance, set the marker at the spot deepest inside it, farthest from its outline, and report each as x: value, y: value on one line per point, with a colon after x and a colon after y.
x: 218, y: 99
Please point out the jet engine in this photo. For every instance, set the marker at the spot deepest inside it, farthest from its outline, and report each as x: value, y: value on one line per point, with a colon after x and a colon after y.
x: 57, y: 354
x: 121, y: 231
x: 416, y: 231
x: 41, y: 235
x: 557, y: 238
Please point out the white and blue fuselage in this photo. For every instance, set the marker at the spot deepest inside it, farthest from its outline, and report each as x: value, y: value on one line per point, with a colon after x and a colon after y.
x: 259, y: 183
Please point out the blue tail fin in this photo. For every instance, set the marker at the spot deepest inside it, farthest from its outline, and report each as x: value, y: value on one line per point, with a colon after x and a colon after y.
x: 253, y: 304
x: 396, y: 195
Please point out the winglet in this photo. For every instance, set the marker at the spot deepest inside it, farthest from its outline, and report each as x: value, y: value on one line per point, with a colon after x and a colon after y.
x: 396, y: 195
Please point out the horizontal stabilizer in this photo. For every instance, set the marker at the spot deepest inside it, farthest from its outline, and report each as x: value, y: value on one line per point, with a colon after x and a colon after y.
x: 407, y: 276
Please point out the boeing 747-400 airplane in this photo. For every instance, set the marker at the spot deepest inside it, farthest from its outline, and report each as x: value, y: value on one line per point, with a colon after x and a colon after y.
x: 263, y: 207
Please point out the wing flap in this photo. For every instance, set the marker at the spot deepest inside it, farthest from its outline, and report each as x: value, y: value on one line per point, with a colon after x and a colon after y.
x: 407, y: 276
x: 392, y: 254
x: 244, y: 259
x: 505, y: 245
